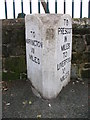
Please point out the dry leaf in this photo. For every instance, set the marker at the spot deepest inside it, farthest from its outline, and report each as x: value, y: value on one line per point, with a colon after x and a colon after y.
x: 8, y: 104
x: 24, y: 102
x: 38, y: 116
x: 5, y: 89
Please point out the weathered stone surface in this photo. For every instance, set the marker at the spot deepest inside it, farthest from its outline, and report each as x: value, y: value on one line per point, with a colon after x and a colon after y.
x: 81, y: 26
x: 86, y: 56
x: 4, y: 51
x: 14, y: 36
x: 10, y: 76
x: 13, y: 32
x: 78, y: 43
x: 48, y: 48
x: 77, y: 58
x: 12, y: 50
x: 85, y: 73
x: 81, y: 31
x: 88, y: 39
x: 13, y: 22
x: 74, y: 71
x: 15, y: 64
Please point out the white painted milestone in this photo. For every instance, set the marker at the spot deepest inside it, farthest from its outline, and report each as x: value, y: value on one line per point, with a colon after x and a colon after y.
x: 48, y: 52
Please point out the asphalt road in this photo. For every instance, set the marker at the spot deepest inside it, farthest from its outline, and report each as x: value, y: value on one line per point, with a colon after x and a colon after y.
x: 18, y: 101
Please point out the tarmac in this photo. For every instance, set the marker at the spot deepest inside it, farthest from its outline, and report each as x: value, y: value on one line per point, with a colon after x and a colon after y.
x: 18, y: 101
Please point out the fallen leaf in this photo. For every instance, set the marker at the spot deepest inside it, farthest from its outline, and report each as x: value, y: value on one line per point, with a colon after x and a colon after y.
x: 77, y: 81
x: 38, y: 116
x: 5, y: 89
x: 5, y: 71
x: 24, y: 102
x: 8, y: 104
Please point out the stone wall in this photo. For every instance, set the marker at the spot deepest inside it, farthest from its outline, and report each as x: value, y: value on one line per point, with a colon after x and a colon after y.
x: 13, y: 49
x: 81, y: 48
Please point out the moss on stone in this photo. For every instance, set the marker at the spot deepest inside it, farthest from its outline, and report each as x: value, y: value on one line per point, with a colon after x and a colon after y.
x: 16, y: 64
x: 10, y: 76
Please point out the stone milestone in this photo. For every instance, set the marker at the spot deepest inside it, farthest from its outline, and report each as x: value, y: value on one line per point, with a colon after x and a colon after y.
x: 48, y: 52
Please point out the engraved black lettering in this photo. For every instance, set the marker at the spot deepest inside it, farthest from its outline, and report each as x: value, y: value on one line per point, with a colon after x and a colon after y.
x: 63, y: 63
x: 65, y: 47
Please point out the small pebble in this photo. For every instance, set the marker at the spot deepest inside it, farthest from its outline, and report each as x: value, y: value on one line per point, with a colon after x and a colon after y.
x: 77, y: 81
x: 11, y: 94
x: 83, y: 83
x: 73, y: 83
x: 72, y: 90
x: 30, y: 102
x: 49, y: 105
x: 24, y: 102
x: 82, y: 105
x: 80, y: 79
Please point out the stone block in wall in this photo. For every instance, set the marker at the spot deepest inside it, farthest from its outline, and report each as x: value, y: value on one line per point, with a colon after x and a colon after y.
x: 18, y: 36
x: 6, y: 35
x: 13, y: 35
x: 15, y: 64
x: 86, y: 56
x: 87, y: 65
x: 78, y: 43
x: 10, y: 76
x: 88, y: 48
x: 12, y: 50
x: 74, y: 71
x: 77, y: 57
x: 81, y: 31
x: 4, y: 51
x: 85, y: 73
x: 88, y: 39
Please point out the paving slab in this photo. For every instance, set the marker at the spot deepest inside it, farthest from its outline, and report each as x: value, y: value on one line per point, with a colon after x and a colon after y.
x: 18, y: 101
